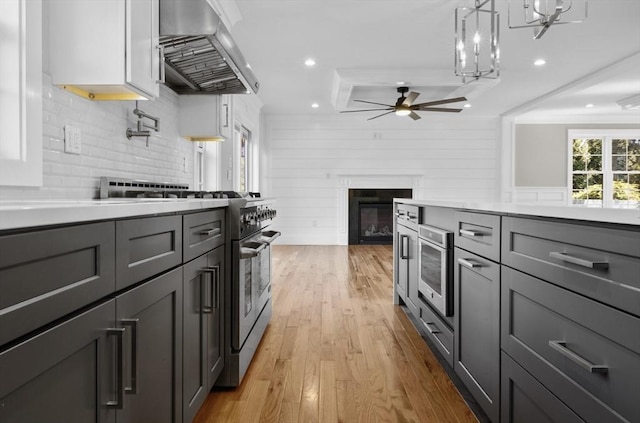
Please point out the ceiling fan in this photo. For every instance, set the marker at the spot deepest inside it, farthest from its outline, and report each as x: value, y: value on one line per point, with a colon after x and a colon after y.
x: 404, y: 105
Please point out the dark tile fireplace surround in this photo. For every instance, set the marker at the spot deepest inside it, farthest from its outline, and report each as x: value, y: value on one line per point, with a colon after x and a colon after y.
x: 371, y: 215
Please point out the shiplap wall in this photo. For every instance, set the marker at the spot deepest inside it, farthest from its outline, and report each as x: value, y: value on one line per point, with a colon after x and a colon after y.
x: 314, y: 160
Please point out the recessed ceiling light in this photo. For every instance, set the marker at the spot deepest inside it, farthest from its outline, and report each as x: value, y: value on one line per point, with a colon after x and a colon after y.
x: 315, y: 105
x: 310, y: 62
x: 540, y: 62
x: 400, y: 83
x: 466, y: 106
x: 590, y: 105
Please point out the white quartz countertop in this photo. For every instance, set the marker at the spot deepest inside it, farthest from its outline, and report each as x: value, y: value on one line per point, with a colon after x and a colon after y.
x: 25, y: 214
x: 619, y: 216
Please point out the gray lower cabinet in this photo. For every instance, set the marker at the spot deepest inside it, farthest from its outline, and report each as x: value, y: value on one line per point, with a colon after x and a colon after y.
x: 477, y: 328
x: 47, y: 274
x: 203, y: 328
x: 585, y: 352
x: 407, y: 268
x: 65, y: 374
x: 151, y: 315
x: 525, y: 400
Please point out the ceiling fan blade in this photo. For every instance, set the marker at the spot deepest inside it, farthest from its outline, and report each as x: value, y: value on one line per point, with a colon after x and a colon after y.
x: 376, y: 117
x: 410, y: 99
x: 363, y: 110
x: 371, y: 102
x: 438, y: 109
x: 414, y: 116
x: 435, y: 103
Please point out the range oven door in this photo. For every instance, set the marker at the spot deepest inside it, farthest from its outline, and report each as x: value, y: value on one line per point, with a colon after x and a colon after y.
x: 434, y: 265
x: 251, y: 289
x: 244, y: 308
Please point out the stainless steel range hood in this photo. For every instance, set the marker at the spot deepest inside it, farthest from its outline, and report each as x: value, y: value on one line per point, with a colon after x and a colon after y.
x: 200, y: 55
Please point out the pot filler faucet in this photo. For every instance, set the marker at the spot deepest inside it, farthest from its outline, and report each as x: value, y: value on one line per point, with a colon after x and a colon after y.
x: 141, y: 132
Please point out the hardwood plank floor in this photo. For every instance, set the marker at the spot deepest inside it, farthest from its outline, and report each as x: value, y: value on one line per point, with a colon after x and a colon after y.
x: 337, y: 349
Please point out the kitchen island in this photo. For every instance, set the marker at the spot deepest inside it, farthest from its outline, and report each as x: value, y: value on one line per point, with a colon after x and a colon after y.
x: 544, y: 316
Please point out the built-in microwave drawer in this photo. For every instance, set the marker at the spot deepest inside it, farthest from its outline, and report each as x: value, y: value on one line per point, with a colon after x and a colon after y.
x: 437, y: 331
x: 586, y: 353
x: 601, y: 263
x: 201, y: 232
x: 478, y: 233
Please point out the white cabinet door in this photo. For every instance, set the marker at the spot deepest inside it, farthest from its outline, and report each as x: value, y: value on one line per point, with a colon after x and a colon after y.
x: 105, y: 49
x: 143, y: 59
x: 206, y: 117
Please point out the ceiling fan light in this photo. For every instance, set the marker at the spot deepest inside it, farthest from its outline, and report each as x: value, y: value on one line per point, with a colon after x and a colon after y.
x: 403, y: 112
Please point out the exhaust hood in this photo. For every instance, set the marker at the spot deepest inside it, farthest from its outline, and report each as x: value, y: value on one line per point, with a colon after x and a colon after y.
x: 200, y: 57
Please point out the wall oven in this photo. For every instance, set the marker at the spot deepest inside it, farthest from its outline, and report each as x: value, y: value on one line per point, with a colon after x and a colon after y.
x: 435, y: 264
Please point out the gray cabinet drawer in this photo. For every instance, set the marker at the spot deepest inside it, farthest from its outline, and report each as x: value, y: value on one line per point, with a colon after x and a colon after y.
x: 146, y: 247
x: 478, y: 233
x: 202, y: 232
x: 556, y: 335
x: 438, y: 332
x: 524, y: 400
x: 47, y: 274
x: 600, y: 263
x: 408, y: 215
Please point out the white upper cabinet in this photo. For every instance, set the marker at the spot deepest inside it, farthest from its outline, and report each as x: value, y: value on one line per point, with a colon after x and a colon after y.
x: 21, y: 92
x: 106, y: 49
x: 206, y: 117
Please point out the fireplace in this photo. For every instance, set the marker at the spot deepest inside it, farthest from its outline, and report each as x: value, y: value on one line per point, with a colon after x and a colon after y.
x: 371, y: 215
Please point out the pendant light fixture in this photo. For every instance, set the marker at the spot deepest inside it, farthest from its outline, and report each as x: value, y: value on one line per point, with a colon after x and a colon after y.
x: 477, y: 53
x: 542, y: 14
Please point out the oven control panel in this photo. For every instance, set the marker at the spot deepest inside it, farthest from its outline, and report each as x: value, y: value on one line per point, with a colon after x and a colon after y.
x: 255, y: 218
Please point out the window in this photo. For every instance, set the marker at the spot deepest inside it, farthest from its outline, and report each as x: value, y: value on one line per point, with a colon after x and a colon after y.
x: 21, y: 92
x: 605, y: 168
x: 243, y: 138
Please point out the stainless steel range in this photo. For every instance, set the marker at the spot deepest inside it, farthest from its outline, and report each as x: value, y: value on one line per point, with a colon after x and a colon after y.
x: 248, y: 286
x: 250, y: 283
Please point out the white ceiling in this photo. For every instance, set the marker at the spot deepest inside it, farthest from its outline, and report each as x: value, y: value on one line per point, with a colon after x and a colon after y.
x: 363, y: 47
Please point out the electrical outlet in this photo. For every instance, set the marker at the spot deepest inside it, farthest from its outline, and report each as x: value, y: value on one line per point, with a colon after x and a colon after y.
x: 72, y: 140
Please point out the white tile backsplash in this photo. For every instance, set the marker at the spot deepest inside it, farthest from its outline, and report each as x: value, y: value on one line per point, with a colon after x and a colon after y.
x: 106, y: 151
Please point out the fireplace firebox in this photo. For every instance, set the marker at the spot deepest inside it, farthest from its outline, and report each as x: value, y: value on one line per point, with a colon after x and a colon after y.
x: 371, y: 215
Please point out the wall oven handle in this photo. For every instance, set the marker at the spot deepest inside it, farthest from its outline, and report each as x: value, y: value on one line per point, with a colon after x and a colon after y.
x: 470, y: 264
x: 580, y: 262
x: 467, y: 232
x: 133, y: 324
x: 251, y: 249
x: 404, y: 246
x: 561, y: 347
x: 119, y: 402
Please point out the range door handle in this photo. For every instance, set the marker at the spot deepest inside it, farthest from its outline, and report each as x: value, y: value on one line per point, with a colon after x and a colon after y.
x: 270, y: 236
x: 251, y: 249
x: 561, y: 347
x: 580, y: 262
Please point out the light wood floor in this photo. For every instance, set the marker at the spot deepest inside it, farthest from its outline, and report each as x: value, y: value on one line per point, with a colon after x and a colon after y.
x: 337, y: 349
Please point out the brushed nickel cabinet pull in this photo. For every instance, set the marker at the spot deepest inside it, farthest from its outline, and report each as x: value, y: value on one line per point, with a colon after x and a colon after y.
x: 432, y: 331
x: 209, y: 232
x: 580, y: 262
x: 133, y: 324
x: 467, y: 232
x: 119, y: 334
x: 561, y: 347
x: 470, y: 264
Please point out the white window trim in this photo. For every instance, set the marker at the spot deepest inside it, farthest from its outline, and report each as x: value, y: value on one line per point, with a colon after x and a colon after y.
x: 604, y: 134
